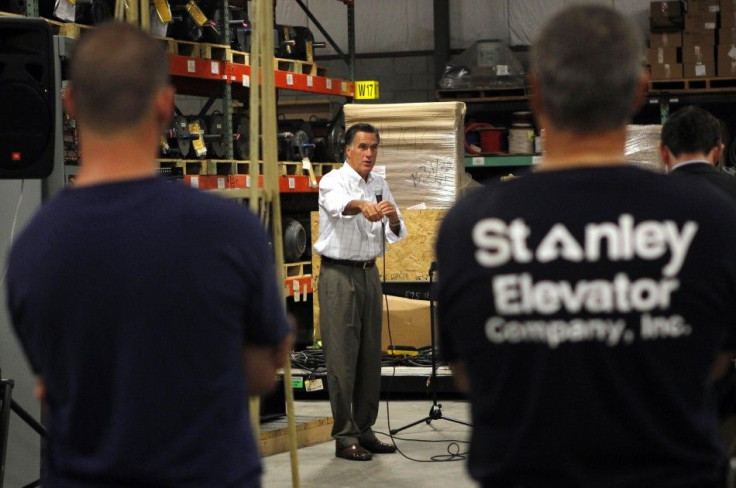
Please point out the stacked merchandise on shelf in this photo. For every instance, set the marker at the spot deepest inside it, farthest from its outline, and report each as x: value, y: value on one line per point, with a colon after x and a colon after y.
x: 691, y: 40
x: 642, y: 146
x: 726, y: 50
x: 422, y: 147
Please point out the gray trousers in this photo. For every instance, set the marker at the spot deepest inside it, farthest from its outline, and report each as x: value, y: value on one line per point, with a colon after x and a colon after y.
x: 350, y: 324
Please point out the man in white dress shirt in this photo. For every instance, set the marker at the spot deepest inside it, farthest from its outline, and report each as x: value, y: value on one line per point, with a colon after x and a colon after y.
x: 356, y: 214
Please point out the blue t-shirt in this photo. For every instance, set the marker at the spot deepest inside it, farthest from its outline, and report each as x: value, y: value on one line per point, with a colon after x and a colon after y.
x: 588, y: 305
x: 134, y: 300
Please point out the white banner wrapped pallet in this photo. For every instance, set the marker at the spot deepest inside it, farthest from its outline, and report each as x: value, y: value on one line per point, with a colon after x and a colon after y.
x: 422, y: 149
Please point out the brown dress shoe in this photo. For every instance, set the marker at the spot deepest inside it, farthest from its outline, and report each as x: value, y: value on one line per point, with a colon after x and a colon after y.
x: 353, y: 452
x: 378, y: 447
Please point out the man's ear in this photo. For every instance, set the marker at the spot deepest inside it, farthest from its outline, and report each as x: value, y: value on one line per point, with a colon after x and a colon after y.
x: 67, y: 100
x: 716, y: 153
x: 642, y: 89
x: 535, y: 99
x: 665, y: 155
x: 164, y: 106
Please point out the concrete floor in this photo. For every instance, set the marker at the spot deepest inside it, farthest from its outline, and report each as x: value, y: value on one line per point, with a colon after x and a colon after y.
x: 412, y: 467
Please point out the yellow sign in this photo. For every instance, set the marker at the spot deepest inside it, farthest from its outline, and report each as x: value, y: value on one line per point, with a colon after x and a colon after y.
x: 366, y: 90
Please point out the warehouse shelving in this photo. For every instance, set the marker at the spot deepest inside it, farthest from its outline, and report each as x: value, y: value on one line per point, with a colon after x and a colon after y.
x: 220, y: 79
x: 718, y: 95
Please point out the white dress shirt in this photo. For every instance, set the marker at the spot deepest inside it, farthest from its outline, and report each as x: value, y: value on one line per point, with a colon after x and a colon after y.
x: 352, y: 236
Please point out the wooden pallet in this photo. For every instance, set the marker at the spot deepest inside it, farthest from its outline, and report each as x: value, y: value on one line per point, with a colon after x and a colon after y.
x: 10, y: 14
x: 694, y: 85
x: 217, y: 52
x: 299, y: 66
x: 302, y: 268
x: 295, y: 168
x: 310, y: 430
x: 238, y: 57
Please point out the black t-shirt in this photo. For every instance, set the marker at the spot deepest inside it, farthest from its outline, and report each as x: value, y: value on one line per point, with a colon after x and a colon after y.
x: 588, y: 305
x: 134, y: 300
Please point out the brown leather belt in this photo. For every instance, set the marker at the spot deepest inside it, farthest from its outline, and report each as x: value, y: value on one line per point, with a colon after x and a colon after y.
x: 350, y: 262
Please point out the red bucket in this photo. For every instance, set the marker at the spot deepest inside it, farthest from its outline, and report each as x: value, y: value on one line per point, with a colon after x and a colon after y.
x: 491, y: 140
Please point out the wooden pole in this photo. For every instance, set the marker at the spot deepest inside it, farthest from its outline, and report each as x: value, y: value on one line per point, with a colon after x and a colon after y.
x: 271, y: 193
x: 271, y: 198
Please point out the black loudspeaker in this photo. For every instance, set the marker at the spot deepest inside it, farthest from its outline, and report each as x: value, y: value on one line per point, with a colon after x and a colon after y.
x: 27, y: 98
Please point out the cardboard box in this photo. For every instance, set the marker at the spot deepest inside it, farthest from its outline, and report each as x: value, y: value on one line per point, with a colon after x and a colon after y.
x: 705, y: 53
x: 663, y: 9
x: 699, y: 70
x: 728, y: 5
x: 728, y: 19
x: 726, y: 57
x: 701, y: 21
x: 727, y: 36
x: 666, y: 71
x: 665, y: 39
x: 666, y: 16
x: 410, y: 323
x: 662, y: 55
x: 712, y: 6
x: 726, y: 68
x: 691, y: 38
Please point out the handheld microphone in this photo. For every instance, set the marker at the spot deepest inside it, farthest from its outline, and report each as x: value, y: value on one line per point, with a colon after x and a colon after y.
x: 379, y: 194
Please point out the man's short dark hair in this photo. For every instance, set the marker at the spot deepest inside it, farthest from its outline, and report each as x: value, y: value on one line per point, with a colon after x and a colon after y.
x: 691, y: 130
x: 587, y: 62
x: 116, y: 71
x: 360, y: 127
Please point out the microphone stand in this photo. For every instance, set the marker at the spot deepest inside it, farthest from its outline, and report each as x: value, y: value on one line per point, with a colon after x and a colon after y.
x: 7, y: 404
x: 435, y: 412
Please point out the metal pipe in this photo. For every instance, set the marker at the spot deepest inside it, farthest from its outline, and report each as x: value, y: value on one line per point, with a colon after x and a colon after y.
x: 441, y: 37
x: 329, y: 39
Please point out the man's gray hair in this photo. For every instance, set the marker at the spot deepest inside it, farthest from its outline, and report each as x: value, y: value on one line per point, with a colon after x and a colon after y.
x: 588, y: 63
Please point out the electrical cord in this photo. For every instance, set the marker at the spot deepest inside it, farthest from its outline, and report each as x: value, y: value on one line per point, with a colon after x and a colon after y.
x: 423, y: 358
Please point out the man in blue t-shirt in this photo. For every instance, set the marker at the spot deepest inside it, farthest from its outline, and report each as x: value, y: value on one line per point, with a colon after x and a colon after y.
x: 148, y: 310
x: 584, y: 306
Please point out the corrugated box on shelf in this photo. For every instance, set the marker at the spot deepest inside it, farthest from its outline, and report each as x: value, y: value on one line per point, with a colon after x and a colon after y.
x: 727, y: 36
x: 727, y: 61
x: 692, y: 54
x: 410, y: 323
x: 662, y: 55
x: 666, y: 16
x: 665, y: 39
x: 712, y: 6
x: 698, y: 21
x: 699, y: 37
x: 699, y: 70
x: 728, y: 19
x: 666, y: 71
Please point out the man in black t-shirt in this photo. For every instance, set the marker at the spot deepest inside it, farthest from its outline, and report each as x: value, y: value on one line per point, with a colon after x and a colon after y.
x: 582, y: 306
x: 149, y: 311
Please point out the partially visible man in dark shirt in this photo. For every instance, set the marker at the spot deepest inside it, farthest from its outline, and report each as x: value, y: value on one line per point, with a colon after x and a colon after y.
x: 148, y: 310
x: 584, y: 305
x: 691, y: 145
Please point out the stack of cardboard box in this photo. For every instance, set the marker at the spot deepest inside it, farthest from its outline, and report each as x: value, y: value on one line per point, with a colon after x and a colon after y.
x: 726, y: 52
x: 686, y: 42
